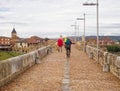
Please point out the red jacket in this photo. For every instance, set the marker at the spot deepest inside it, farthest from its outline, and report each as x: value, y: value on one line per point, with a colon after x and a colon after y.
x: 60, y: 42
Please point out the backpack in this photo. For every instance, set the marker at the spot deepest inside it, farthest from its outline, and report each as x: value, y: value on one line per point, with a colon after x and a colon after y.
x: 67, y: 42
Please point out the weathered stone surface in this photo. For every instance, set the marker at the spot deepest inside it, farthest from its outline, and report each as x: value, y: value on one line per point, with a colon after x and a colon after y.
x: 87, y: 75
x: 117, y: 62
x: 12, y: 67
x: 46, y: 76
x: 108, y: 60
x: 84, y: 75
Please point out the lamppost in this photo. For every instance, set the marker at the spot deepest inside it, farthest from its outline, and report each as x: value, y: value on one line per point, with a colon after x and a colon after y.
x: 84, y: 30
x: 75, y: 26
x: 97, y: 10
x: 78, y: 27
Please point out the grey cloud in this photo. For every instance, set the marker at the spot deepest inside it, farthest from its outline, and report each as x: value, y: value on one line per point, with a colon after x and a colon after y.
x: 4, y: 9
x: 57, y: 15
x: 116, y: 34
x: 113, y: 25
x: 45, y: 34
x: 13, y: 23
x: 2, y: 17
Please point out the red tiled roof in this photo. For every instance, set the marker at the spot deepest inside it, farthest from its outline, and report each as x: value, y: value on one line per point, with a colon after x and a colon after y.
x: 34, y: 39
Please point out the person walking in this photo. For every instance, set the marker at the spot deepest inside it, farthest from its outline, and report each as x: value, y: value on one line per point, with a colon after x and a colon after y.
x: 60, y: 43
x: 68, y: 47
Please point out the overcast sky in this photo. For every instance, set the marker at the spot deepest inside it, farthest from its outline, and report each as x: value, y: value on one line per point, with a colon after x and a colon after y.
x: 51, y: 18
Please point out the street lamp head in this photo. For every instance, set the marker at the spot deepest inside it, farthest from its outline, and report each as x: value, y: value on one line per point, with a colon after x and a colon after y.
x: 72, y: 25
x: 89, y: 4
x: 80, y: 18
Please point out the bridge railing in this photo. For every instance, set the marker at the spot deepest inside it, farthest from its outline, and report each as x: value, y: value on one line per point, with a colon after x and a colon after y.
x: 110, y: 62
x: 11, y: 68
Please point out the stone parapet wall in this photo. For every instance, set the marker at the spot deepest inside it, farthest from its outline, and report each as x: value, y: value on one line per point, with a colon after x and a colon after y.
x: 110, y: 62
x: 11, y: 68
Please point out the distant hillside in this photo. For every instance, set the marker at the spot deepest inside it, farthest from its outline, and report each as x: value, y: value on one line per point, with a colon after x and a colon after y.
x: 115, y: 38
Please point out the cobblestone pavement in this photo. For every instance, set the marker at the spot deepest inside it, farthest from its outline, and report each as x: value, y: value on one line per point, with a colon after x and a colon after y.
x: 87, y: 75
x: 49, y: 75
x: 46, y: 76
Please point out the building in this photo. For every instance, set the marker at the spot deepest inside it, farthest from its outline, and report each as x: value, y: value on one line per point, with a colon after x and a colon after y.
x: 16, y: 43
x: 5, y: 43
x: 28, y: 44
x: 14, y: 36
x: 34, y: 40
x: 106, y: 41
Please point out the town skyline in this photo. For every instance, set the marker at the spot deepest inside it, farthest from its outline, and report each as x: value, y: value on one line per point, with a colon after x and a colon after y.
x: 46, y: 18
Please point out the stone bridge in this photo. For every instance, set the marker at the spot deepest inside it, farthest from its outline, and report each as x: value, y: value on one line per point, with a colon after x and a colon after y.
x: 55, y: 72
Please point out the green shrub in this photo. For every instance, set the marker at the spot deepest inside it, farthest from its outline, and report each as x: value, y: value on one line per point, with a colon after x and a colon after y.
x: 113, y: 48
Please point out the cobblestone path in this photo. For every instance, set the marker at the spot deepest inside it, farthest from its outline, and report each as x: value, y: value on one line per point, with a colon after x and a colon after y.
x: 46, y: 76
x: 80, y: 73
x: 87, y: 75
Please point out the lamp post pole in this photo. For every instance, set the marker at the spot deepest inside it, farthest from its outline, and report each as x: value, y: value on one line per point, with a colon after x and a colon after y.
x: 84, y: 30
x: 78, y: 32
x: 97, y: 10
x: 84, y: 34
x: 84, y: 26
x: 97, y: 30
x: 75, y: 27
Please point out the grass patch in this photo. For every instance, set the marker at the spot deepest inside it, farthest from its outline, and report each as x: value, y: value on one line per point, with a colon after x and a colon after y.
x: 5, y: 55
